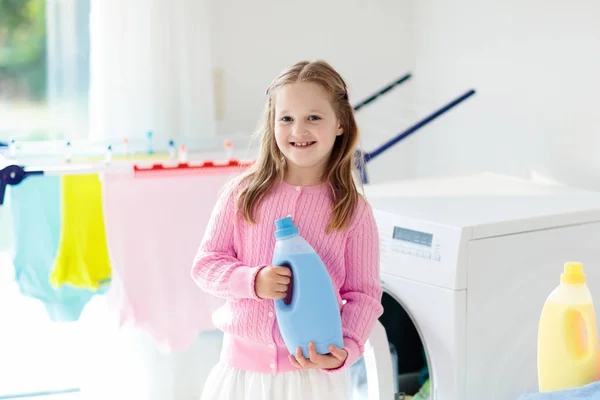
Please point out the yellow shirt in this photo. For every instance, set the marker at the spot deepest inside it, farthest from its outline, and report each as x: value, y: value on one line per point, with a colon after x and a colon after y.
x: 82, y: 260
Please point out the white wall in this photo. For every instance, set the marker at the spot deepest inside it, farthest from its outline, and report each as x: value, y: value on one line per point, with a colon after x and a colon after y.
x: 533, y: 63
x: 370, y: 43
x: 535, y: 66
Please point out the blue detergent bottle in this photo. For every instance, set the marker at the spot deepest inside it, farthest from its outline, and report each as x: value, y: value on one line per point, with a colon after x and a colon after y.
x: 310, y: 311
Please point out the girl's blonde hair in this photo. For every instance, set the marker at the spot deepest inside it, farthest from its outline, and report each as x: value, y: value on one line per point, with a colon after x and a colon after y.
x: 341, y: 168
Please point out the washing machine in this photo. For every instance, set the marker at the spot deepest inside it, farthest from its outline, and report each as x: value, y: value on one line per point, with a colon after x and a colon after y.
x: 466, y: 265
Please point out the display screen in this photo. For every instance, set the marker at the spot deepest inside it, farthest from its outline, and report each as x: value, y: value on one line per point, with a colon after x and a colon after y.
x: 422, y: 238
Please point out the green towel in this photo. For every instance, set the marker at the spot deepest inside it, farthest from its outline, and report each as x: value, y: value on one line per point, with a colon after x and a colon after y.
x: 424, y: 393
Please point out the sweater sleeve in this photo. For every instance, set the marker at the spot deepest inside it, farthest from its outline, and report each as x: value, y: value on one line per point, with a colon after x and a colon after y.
x: 362, y: 288
x: 216, y: 270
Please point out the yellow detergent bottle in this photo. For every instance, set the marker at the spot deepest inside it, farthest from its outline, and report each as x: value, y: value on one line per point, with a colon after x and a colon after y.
x: 568, y: 354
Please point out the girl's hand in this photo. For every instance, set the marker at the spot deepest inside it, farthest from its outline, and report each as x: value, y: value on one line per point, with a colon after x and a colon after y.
x: 272, y: 282
x: 319, y: 361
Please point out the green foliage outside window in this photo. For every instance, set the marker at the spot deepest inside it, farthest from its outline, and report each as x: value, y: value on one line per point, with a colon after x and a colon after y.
x: 23, y: 49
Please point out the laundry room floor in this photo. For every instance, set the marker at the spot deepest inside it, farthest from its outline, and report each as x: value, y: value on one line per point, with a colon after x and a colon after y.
x: 37, y: 354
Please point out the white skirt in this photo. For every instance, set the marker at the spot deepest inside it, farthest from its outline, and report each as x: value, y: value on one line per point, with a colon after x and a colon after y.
x: 227, y: 383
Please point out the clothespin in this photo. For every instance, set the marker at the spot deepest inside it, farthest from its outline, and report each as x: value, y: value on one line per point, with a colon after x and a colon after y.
x: 68, y: 152
x: 228, y: 149
x: 12, y: 148
x: 108, y: 155
x: 183, y: 156
x: 150, y: 147
x: 172, y: 151
x: 126, y: 143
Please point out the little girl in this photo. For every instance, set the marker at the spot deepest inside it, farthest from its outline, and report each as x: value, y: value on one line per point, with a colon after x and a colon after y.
x: 305, y: 169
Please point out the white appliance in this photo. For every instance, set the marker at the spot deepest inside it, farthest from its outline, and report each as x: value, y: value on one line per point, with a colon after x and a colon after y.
x: 471, y: 261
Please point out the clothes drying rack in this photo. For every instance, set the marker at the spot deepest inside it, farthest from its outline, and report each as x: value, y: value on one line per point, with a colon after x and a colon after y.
x: 14, y: 174
x: 148, y: 144
x: 362, y: 158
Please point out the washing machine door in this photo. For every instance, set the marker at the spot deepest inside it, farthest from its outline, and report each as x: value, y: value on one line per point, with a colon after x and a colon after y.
x: 381, y: 382
x: 437, y: 317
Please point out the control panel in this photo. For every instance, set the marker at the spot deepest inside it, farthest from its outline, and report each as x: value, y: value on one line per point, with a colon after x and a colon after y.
x: 414, y: 243
x: 420, y: 250
x: 400, y: 236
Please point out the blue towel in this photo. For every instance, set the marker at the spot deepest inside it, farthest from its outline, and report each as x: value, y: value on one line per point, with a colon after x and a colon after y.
x: 587, y: 392
x: 35, y: 208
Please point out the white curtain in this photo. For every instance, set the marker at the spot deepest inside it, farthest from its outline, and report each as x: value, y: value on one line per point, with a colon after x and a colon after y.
x: 67, y: 46
x: 150, y: 70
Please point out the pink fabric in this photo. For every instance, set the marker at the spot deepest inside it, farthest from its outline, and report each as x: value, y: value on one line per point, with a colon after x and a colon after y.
x: 154, y: 223
x: 233, y: 251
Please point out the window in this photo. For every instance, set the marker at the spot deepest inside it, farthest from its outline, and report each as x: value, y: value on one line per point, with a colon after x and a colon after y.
x: 44, y: 80
x: 44, y: 69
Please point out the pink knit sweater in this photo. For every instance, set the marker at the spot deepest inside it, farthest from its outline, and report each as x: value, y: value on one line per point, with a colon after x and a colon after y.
x: 233, y: 251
